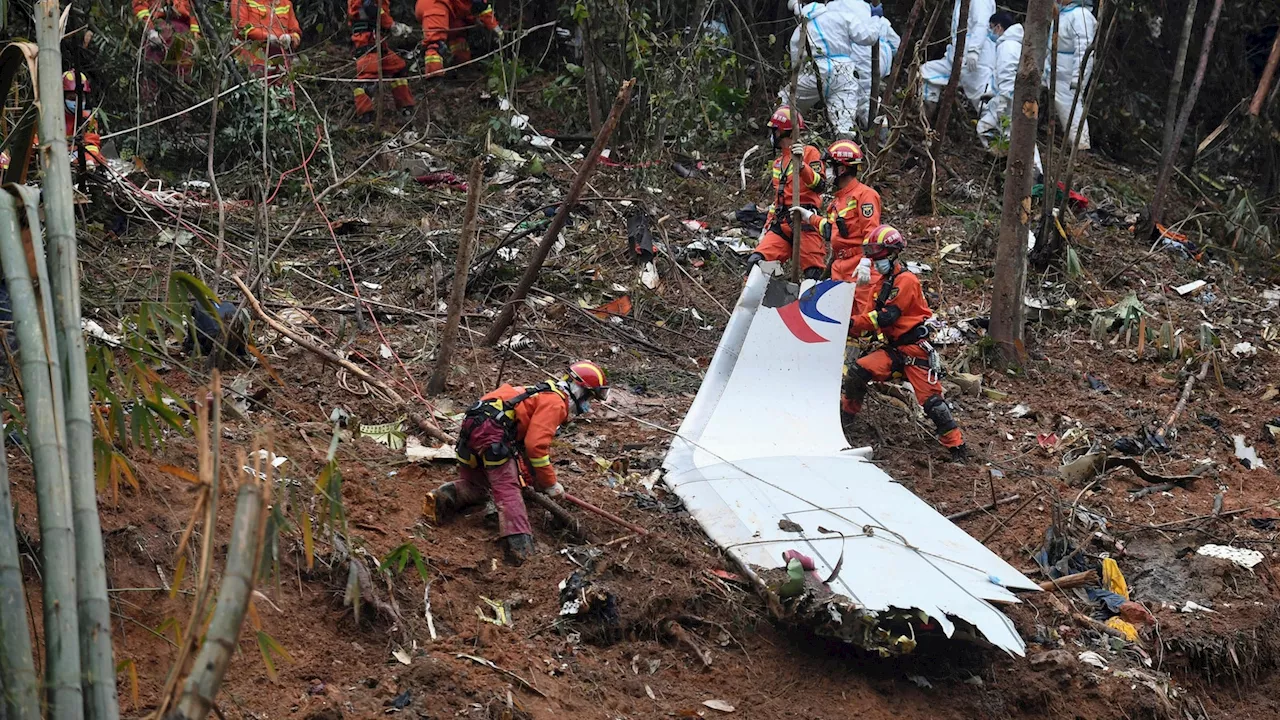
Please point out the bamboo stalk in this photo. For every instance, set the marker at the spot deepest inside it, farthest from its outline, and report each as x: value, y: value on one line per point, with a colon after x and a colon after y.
x: 87, y: 565
x: 458, y: 293
x: 1268, y: 75
x: 220, y: 641
x: 92, y: 605
x: 17, y: 671
x: 42, y: 401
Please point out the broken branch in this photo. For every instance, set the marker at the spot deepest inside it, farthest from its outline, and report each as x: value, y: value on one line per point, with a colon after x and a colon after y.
x: 1067, y: 582
x: 985, y: 508
x: 508, y: 313
x: 558, y: 512
x: 1186, y: 394
x: 457, y: 294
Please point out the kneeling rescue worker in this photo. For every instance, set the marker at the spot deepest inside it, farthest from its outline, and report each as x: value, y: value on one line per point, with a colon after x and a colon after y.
x: 775, y: 242
x: 506, y: 423
x: 891, y: 307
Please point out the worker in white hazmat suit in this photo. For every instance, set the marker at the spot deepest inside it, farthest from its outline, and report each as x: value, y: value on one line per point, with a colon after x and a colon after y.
x: 993, y: 124
x: 1077, y: 28
x: 889, y: 42
x: 979, y: 56
x: 835, y: 28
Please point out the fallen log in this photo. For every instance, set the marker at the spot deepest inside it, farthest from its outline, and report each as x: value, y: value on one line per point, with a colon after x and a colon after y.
x: 558, y: 512
x: 1067, y: 582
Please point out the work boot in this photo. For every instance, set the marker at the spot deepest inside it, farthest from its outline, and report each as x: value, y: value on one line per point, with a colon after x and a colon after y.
x: 491, y: 515
x: 365, y: 119
x: 959, y: 453
x: 440, y: 504
x: 517, y: 548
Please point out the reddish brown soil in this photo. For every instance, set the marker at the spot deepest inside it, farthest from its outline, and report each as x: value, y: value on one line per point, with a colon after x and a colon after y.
x: 340, y: 667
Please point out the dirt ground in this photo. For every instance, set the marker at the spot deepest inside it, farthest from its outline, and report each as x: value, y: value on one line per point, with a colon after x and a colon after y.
x: 677, y: 635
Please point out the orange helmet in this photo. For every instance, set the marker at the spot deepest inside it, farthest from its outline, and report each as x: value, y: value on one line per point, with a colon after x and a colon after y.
x: 780, y: 121
x: 845, y: 153
x: 592, y: 377
x: 882, y: 242
x: 69, y: 81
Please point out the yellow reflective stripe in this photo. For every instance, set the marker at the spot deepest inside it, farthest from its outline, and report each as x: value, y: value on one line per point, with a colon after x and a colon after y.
x: 282, y: 10
x: 817, y: 174
x: 495, y: 463
x: 143, y: 14
x: 359, y: 91
x: 538, y: 462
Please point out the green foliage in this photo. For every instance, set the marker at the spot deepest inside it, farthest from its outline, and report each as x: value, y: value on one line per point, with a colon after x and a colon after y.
x: 397, y: 559
x: 270, y: 649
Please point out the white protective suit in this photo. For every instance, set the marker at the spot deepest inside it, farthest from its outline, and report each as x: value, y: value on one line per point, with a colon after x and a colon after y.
x: 834, y: 29
x: 978, y: 50
x: 889, y: 42
x: 993, y: 121
x: 1077, y: 28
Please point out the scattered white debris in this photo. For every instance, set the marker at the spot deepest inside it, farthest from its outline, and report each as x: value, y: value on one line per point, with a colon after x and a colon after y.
x: 918, y: 268
x: 95, y: 331
x: 370, y: 285
x: 1089, y: 657
x: 720, y: 705
x: 649, y: 276
x: 508, y: 253
x: 1244, y: 350
x: 1246, y: 454
x: 415, y: 451
x: 1193, y: 606
x: 516, y: 342
x: 401, y: 656
x: 540, y: 141
x: 385, y: 351
x: 1243, y: 557
x: 275, y: 460
x: 1190, y: 287
x: 1020, y: 410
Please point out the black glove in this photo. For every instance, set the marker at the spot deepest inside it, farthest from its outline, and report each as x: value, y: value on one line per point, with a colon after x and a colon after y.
x: 812, y: 273
x: 754, y: 258
x: 888, y: 316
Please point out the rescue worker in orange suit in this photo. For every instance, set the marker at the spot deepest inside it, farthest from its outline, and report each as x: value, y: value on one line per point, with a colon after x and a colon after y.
x: 369, y: 19
x: 444, y: 23
x: 168, y: 23
x: 509, y: 423
x: 775, y: 242
x: 269, y: 32
x: 853, y: 213
x: 891, y: 308
x: 82, y: 126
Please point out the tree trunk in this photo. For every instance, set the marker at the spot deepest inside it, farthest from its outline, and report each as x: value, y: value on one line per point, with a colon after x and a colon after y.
x: 906, y: 50
x: 1046, y: 228
x: 508, y: 313
x: 1009, y: 287
x: 943, y: 118
x: 1166, y: 162
x: 458, y: 292
x: 873, y: 104
x: 589, y: 74
x: 1175, y: 83
x: 1268, y: 75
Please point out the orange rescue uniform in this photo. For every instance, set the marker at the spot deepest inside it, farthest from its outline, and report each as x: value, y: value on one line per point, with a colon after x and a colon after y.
x: 172, y: 19
x: 776, y: 242
x: 853, y: 213
x: 895, y: 313
x: 538, y: 417
x: 365, y: 16
x: 255, y: 22
x: 443, y: 21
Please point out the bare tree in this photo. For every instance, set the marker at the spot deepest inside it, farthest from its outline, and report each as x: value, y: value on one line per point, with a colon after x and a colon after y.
x: 1171, y: 152
x: 943, y: 118
x: 1007, y: 309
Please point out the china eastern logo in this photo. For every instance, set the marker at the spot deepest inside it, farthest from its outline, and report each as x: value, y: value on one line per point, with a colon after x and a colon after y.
x: 794, y: 314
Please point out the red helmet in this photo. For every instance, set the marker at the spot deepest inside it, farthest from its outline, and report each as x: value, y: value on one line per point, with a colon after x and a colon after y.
x: 845, y: 153
x: 780, y: 121
x: 883, y: 242
x: 592, y: 377
x: 69, y: 81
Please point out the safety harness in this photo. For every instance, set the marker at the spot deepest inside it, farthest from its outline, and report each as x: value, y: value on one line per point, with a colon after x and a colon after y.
x: 502, y: 412
x: 917, y: 335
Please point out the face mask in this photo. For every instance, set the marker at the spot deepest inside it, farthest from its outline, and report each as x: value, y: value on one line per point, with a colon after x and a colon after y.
x: 71, y: 105
x: 884, y: 265
x: 584, y: 406
x: 992, y: 36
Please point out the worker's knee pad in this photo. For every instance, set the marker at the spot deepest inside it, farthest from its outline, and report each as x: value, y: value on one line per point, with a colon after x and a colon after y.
x: 940, y: 413
x: 496, y: 454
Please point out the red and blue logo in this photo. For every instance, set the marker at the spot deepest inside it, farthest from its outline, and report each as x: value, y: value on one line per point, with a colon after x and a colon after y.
x: 793, y: 315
